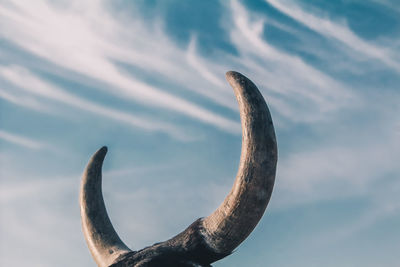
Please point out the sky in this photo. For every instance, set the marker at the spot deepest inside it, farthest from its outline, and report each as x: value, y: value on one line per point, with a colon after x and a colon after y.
x: 147, y: 79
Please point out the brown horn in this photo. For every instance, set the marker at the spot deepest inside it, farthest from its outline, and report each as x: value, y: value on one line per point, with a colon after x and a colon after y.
x: 237, y: 216
x: 103, y: 242
x: 217, y: 235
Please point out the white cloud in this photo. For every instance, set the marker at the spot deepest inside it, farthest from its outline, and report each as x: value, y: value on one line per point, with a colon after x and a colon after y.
x: 25, y: 80
x: 332, y: 171
x: 20, y: 140
x: 391, y: 4
x: 24, y: 101
x: 336, y: 31
x: 296, y: 90
x: 383, y: 206
x: 87, y: 39
x: 37, y: 218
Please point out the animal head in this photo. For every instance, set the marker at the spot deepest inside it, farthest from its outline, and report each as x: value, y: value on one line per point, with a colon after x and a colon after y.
x: 207, y: 239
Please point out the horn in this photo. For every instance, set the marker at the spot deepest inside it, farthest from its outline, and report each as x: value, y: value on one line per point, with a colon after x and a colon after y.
x: 239, y: 213
x: 217, y: 235
x: 103, y: 242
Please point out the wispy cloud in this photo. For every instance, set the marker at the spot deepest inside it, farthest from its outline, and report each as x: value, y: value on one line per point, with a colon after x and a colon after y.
x: 95, y: 47
x: 392, y: 4
x: 296, y: 89
x: 383, y: 206
x: 337, y: 31
x: 25, y: 80
x: 88, y: 40
x: 20, y: 140
x: 352, y: 169
x: 29, y: 211
x: 23, y: 101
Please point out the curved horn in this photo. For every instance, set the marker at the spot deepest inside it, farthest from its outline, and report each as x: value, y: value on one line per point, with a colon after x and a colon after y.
x: 241, y: 210
x: 228, y: 225
x: 103, y: 242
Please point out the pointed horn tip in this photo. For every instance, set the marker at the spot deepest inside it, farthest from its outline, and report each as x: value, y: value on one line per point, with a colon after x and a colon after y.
x: 95, y: 164
x: 103, y: 150
x: 100, y: 154
x: 233, y: 75
x: 96, y: 161
x: 239, y: 82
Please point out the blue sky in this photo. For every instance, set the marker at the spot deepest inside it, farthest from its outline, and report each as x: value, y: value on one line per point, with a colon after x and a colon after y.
x: 146, y: 78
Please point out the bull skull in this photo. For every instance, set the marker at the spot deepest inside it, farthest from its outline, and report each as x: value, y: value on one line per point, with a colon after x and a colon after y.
x: 207, y: 239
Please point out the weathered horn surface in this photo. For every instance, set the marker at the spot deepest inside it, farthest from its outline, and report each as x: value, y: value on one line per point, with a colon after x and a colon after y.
x: 208, y: 239
x: 103, y: 242
x: 242, y: 209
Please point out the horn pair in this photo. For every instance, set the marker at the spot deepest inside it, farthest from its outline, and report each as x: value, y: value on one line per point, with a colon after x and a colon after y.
x: 207, y: 239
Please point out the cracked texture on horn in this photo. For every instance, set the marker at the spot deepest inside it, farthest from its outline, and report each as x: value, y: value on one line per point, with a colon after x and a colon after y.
x: 209, y: 239
x: 241, y: 210
x: 103, y: 242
